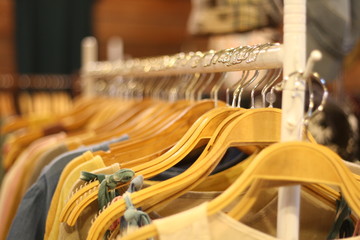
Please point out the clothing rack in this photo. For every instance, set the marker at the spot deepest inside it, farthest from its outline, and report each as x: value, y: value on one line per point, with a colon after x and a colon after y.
x: 293, y: 101
x: 262, y: 56
x: 290, y: 55
x: 21, y: 93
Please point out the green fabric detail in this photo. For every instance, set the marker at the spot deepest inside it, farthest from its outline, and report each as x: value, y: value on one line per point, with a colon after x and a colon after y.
x: 108, y: 183
x: 343, y: 225
x: 133, y: 216
x: 107, y: 186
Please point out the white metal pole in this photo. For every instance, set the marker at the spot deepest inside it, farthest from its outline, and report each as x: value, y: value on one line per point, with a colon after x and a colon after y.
x: 267, y: 58
x: 293, y: 102
x: 115, y: 49
x: 89, y: 55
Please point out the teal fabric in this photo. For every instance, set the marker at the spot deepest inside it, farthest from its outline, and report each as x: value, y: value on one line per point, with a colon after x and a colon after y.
x: 132, y: 216
x: 107, y: 191
x: 108, y: 184
x: 343, y: 226
x: 49, y: 33
x: 90, y: 177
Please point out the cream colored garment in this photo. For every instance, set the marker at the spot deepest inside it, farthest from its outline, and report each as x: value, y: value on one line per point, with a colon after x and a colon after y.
x: 195, y: 224
x: 315, y: 222
x: 354, y: 167
x: 83, y: 224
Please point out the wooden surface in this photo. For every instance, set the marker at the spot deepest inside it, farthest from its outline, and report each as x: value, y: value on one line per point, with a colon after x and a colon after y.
x: 7, y: 38
x: 147, y: 28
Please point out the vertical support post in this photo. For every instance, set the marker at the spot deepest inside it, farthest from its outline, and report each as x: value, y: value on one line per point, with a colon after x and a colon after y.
x: 89, y: 54
x: 293, y: 102
x: 115, y: 49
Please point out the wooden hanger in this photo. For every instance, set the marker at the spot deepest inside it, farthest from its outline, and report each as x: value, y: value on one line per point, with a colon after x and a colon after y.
x: 323, y: 193
x: 164, y: 138
x: 71, y: 121
x: 198, y: 131
x: 256, y: 132
x: 147, y: 115
x: 278, y: 169
x: 163, y: 165
x: 307, y: 163
x: 224, y: 140
x: 112, y: 127
x: 113, y: 109
x: 126, y: 115
x: 30, y: 121
x: 172, y: 130
x: 135, y: 121
x: 201, y: 130
x: 141, y: 125
x: 150, y: 126
x: 288, y: 163
x: 233, y: 133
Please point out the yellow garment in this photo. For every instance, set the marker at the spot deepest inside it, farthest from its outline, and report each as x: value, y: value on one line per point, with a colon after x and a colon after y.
x: 66, y: 187
x: 83, y: 224
x: 56, y: 197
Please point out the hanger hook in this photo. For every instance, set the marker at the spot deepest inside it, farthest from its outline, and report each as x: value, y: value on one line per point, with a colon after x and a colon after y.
x: 197, y: 85
x: 239, y: 85
x: 256, y: 74
x: 172, y: 89
x: 271, y: 97
x: 184, y: 82
x: 310, y: 113
x: 193, y: 80
x: 215, y: 89
x: 193, y: 59
x: 276, y: 74
x: 204, y: 86
x: 206, y: 63
x: 238, y: 91
x: 262, y: 80
x: 162, y: 91
x: 244, y: 75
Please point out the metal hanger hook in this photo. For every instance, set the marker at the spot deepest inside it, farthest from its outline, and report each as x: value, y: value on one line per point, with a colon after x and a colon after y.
x: 256, y: 74
x: 310, y: 113
x: 262, y: 80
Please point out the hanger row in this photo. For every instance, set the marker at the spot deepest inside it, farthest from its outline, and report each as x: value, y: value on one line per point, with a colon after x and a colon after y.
x: 260, y: 56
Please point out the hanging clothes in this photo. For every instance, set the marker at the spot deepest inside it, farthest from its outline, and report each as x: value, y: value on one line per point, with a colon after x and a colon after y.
x: 175, y: 160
